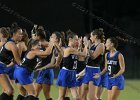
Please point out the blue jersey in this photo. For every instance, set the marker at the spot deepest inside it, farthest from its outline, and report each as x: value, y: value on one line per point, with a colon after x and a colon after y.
x: 113, y: 63
x: 113, y: 68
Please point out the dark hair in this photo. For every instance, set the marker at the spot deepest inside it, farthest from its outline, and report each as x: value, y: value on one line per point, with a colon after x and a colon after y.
x: 25, y: 37
x: 100, y: 34
x: 32, y: 43
x: 41, y: 33
x: 114, y: 41
x: 63, y: 39
x: 5, y: 32
x: 9, y: 31
x: 58, y: 35
x: 70, y: 35
x: 14, y: 28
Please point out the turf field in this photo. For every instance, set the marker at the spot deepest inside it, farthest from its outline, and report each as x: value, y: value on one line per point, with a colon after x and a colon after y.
x: 131, y: 92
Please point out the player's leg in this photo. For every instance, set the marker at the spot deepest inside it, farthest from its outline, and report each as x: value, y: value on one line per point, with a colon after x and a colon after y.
x: 38, y: 88
x: 22, y: 92
x: 99, y: 92
x: 46, y: 91
x: 31, y: 92
x: 7, y: 87
x: 67, y: 94
x: 91, y: 92
x: 109, y: 94
x: 115, y: 93
x: 62, y: 92
x: 84, y: 91
x: 74, y: 93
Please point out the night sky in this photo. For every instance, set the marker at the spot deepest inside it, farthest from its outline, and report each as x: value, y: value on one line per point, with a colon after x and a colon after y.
x: 60, y: 15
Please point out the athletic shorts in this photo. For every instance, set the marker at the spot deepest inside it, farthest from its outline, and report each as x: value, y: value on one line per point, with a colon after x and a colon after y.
x: 79, y: 81
x: 23, y: 76
x: 45, y: 77
x: 10, y: 71
x: 119, y: 82
x: 66, y: 78
x: 104, y: 80
x: 2, y: 68
x: 89, y: 73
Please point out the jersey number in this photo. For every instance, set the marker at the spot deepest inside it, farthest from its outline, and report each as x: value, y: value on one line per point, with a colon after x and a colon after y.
x: 75, y: 65
x: 22, y: 61
x: 1, y: 49
x: 109, y: 69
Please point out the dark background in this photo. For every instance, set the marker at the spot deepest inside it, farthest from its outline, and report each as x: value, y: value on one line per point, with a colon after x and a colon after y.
x: 60, y: 15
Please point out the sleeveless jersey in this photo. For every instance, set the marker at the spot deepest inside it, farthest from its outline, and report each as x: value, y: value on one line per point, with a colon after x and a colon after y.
x: 95, y: 62
x: 30, y: 64
x: 6, y: 56
x: 113, y: 63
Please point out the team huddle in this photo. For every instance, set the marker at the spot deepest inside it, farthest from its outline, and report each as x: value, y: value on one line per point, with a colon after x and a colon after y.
x: 87, y: 64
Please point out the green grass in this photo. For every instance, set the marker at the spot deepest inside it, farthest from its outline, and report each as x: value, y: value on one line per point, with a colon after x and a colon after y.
x: 131, y: 92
